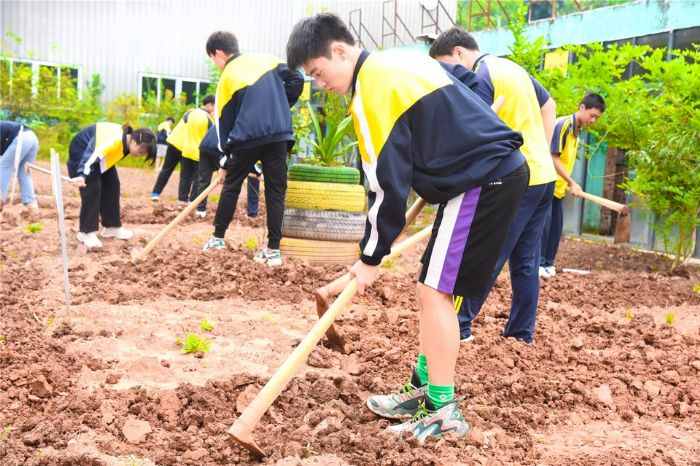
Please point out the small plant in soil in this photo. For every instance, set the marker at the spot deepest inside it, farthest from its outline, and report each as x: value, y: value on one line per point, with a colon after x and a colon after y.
x: 35, y: 227
x: 6, y: 431
x: 670, y: 318
x: 272, y: 318
x: 629, y: 315
x: 193, y: 344
x: 214, y: 198
x: 696, y: 288
x: 251, y: 243
x: 310, y: 451
x: 206, y: 325
x: 388, y: 264
x: 3, y: 339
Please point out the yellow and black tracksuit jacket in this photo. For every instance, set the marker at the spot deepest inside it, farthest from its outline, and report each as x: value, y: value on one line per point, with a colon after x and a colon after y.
x: 97, y: 147
x: 253, y: 98
x: 521, y: 110
x: 197, y: 121
x: 419, y: 126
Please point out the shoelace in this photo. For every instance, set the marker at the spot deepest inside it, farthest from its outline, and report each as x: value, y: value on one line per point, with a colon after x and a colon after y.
x: 421, y: 412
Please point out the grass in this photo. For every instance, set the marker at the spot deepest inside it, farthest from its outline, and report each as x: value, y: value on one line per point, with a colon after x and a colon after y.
x: 5, y: 434
x: 35, y: 227
x: 269, y: 317
x: 206, y: 325
x: 193, y: 344
x: 670, y: 318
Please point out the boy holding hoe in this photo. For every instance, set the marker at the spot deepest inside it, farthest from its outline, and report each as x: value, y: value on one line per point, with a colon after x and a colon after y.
x: 420, y: 127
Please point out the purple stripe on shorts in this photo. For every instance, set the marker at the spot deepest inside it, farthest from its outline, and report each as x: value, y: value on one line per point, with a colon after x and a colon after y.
x: 458, y: 241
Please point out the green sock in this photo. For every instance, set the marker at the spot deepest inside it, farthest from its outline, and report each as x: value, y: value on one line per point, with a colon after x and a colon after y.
x: 422, y: 369
x: 439, y: 395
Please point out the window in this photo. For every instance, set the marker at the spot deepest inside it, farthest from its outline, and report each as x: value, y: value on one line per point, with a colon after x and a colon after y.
x: 685, y: 38
x: 160, y: 86
x: 40, y: 78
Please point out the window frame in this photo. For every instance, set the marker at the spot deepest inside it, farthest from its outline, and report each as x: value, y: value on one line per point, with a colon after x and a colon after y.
x: 178, y: 84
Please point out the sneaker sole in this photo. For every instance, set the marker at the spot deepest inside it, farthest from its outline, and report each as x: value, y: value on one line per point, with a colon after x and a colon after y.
x: 469, y: 339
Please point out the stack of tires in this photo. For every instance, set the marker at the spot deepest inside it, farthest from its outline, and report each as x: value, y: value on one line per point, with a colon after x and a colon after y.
x: 324, y: 215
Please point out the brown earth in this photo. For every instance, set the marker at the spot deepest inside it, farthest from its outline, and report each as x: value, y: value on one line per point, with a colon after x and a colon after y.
x: 607, y: 381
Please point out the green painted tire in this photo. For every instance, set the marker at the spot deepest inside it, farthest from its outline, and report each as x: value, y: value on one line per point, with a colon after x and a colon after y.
x: 343, y: 175
x: 329, y: 225
x: 325, y: 196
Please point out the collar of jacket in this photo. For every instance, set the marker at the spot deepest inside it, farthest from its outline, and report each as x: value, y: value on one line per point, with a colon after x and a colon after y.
x: 231, y: 58
x: 478, y: 62
x: 360, y: 60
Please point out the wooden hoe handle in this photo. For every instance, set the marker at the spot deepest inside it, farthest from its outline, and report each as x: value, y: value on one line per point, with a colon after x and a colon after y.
x: 612, y: 205
x: 337, y: 285
x: 185, y: 212
x: 241, y: 430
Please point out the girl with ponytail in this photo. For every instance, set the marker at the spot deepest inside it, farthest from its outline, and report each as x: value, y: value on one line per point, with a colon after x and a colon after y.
x: 93, y: 154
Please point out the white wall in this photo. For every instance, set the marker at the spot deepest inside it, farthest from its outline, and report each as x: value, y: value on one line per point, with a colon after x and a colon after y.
x: 120, y: 38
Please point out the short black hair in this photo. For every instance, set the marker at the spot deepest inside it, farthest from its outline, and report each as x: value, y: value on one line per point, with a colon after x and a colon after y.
x: 209, y: 99
x: 448, y: 40
x: 593, y: 100
x: 171, y: 119
x: 312, y: 36
x: 222, y: 40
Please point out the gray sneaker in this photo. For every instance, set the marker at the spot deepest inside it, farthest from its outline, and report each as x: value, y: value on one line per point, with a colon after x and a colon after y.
x: 428, y: 421
x: 271, y: 257
x: 214, y: 244
x: 402, y: 404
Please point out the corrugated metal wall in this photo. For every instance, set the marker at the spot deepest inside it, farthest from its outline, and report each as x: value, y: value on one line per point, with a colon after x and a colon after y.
x: 118, y: 39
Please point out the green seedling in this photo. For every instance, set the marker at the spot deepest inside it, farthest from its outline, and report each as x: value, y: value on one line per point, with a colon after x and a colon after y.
x: 193, y: 344
x: 696, y: 288
x: 49, y: 321
x: 3, y: 339
x: 272, y: 318
x: 214, y: 198
x: 133, y: 460
x: 5, y: 434
x: 388, y: 264
x: 629, y: 315
x: 198, y: 240
x: 251, y: 243
x: 670, y: 318
x: 206, y: 325
x: 310, y: 451
x: 35, y: 227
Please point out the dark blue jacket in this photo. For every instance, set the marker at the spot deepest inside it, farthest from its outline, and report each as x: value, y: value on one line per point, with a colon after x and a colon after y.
x: 8, y: 132
x: 253, y: 98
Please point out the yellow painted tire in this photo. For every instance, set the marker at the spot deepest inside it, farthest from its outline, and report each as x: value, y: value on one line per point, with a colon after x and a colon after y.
x: 325, y: 196
x: 320, y: 252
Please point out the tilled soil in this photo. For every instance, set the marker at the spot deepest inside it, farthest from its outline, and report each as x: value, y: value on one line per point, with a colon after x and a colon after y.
x: 612, y: 377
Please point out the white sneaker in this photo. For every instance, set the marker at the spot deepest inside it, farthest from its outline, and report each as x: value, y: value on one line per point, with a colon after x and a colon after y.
x: 271, y: 257
x: 90, y: 240
x: 119, y: 233
x: 551, y: 271
x: 543, y: 272
x: 32, y: 206
x: 201, y: 213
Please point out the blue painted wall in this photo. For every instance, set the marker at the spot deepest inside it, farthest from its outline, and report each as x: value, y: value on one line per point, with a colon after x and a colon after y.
x: 601, y: 25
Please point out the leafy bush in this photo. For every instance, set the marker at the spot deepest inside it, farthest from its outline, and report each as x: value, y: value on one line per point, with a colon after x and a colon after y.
x: 193, y: 344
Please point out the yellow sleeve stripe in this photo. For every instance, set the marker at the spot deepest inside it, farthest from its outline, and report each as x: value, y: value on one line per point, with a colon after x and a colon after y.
x: 242, y: 72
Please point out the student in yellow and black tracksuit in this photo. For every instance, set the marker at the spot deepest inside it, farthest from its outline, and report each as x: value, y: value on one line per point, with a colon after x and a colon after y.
x: 183, y: 137
x: 197, y: 122
x: 162, y: 133
x: 564, y: 151
x: 92, y: 157
x: 209, y: 156
x: 529, y: 109
x: 253, y: 98
x: 420, y: 127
